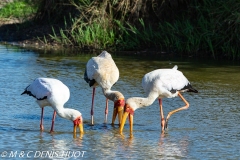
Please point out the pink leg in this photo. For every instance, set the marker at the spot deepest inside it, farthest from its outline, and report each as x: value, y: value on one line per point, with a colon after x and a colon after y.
x: 53, y: 119
x: 41, y: 122
x: 92, y: 105
x: 161, y: 114
x: 177, y: 110
x: 106, y: 111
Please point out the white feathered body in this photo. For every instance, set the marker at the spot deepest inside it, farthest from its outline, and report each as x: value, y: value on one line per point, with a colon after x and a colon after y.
x: 166, y: 82
x: 52, y: 92
x: 161, y: 83
x: 49, y: 92
x: 103, y: 70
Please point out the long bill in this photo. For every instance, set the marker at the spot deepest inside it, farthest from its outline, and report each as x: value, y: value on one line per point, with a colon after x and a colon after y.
x: 120, y: 114
x: 114, y: 115
x: 79, y: 125
x: 118, y: 110
x: 125, y: 115
x: 124, y: 118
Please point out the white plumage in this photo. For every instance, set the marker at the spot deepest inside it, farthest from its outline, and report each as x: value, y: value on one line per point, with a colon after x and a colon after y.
x: 102, y: 71
x: 160, y: 83
x: 164, y: 81
x: 52, y: 92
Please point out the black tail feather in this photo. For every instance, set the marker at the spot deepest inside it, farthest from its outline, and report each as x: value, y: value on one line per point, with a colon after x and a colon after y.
x: 30, y: 94
x: 25, y: 92
x: 90, y: 82
x: 191, y: 89
x: 85, y: 76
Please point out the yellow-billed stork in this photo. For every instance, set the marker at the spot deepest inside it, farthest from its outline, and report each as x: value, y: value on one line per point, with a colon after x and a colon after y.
x: 102, y: 71
x: 52, y: 92
x: 160, y: 83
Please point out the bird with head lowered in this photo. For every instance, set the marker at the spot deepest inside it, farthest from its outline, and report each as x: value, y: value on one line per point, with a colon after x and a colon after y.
x: 52, y: 92
x: 102, y: 71
x: 160, y: 83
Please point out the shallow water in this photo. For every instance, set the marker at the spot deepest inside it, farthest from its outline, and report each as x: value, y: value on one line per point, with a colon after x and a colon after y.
x: 207, y: 130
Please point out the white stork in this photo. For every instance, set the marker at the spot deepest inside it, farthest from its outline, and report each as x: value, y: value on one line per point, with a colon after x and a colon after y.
x: 102, y: 71
x: 159, y: 84
x: 52, y: 92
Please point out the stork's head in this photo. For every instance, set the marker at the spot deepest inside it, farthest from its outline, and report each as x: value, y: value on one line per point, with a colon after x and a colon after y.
x: 78, y: 122
x: 129, y: 109
x: 76, y: 117
x: 119, y: 102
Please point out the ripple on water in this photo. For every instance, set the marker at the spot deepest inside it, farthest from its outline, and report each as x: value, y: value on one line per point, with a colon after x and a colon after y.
x: 207, y: 130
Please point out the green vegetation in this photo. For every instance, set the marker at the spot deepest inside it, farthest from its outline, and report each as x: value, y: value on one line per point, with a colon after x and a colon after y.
x: 18, y: 9
x: 202, y: 28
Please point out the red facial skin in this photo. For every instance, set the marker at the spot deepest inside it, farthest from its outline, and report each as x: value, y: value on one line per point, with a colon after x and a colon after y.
x: 119, y: 103
x: 77, y: 121
x: 128, y: 109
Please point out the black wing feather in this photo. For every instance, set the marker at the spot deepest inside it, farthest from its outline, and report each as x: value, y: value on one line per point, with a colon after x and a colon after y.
x: 188, y: 88
x: 90, y: 82
x: 30, y: 94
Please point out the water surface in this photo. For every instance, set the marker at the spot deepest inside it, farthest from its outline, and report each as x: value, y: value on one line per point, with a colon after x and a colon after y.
x: 207, y: 130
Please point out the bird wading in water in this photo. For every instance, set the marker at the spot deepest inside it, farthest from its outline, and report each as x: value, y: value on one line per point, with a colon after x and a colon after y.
x: 160, y: 83
x: 52, y: 92
x: 102, y: 71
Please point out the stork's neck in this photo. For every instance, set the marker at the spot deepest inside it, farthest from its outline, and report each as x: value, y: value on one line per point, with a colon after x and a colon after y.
x: 64, y: 112
x: 112, y: 95
x: 138, y: 102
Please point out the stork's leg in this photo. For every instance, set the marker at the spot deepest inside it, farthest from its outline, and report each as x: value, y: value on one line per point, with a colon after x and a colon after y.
x: 162, y: 115
x: 177, y: 110
x: 53, y: 120
x: 92, y: 105
x: 41, y: 122
x: 106, y: 111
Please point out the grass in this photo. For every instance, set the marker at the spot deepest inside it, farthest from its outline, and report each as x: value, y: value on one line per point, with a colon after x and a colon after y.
x: 18, y: 9
x: 212, y: 31
x: 210, y: 27
x: 91, y: 36
x: 207, y: 27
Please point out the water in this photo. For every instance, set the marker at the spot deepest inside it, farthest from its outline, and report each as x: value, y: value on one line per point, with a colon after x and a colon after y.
x: 207, y: 130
